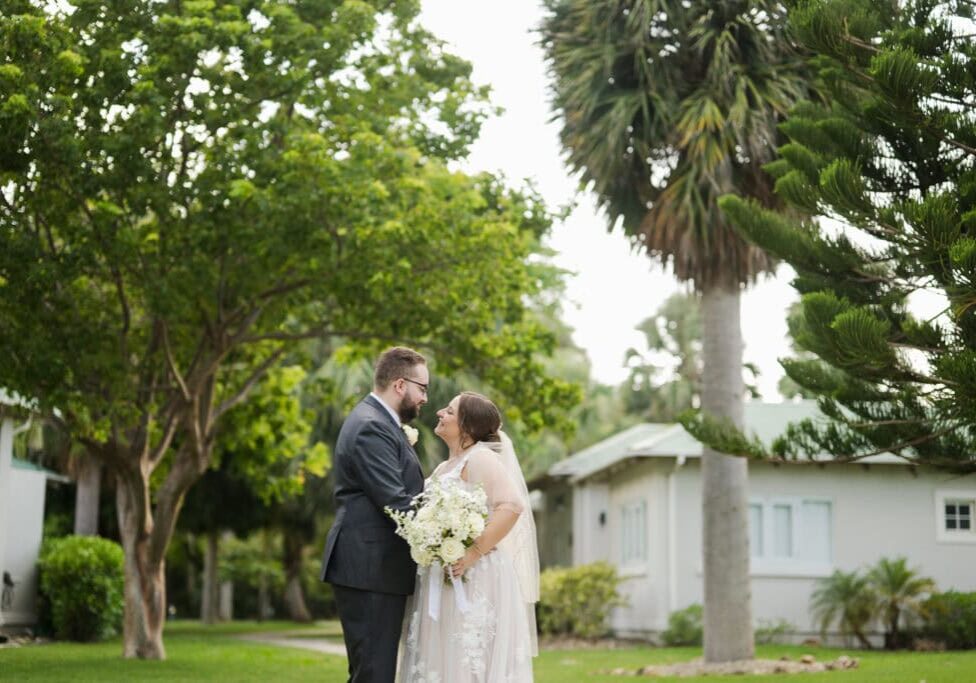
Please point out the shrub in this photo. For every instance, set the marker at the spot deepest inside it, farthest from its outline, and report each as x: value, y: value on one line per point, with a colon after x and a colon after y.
x: 578, y: 600
x: 951, y: 619
x: 82, y: 580
x: 684, y: 627
x: 773, y: 631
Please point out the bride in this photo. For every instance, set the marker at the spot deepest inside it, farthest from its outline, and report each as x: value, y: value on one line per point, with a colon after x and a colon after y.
x: 485, y: 633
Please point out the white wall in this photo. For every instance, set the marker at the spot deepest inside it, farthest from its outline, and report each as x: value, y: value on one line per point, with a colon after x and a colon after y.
x: 881, y: 511
x: 23, y: 542
x: 645, y: 585
x: 591, y: 539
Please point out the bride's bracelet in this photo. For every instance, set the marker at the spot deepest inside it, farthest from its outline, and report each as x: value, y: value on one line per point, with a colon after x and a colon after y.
x: 478, y: 548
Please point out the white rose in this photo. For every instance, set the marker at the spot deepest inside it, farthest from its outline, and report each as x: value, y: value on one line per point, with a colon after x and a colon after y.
x: 452, y: 550
x: 421, y: 556
x: 412, y: 434
x: 476, y: 523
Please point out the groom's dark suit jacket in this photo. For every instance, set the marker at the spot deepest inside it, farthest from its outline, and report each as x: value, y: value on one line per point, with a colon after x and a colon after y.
x: 374, y: 467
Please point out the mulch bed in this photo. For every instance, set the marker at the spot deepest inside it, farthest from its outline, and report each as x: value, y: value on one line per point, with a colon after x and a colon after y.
x: 697, y: 667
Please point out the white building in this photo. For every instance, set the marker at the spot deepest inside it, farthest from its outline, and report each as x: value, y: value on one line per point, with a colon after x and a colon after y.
x: 22, y: 490
x: 634, y: 500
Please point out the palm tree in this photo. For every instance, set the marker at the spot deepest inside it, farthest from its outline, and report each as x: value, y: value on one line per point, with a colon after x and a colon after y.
x: 899, y: 591
x: 846, y: 597
x: 666, y: 106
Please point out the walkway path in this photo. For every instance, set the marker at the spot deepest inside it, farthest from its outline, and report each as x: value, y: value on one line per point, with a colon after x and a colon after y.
x: 329, y: 647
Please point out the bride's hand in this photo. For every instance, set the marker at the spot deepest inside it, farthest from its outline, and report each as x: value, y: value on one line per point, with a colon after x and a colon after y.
x: 465, y: 563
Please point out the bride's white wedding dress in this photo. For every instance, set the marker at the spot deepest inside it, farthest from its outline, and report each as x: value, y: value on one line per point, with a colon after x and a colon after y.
x: 495, y: 639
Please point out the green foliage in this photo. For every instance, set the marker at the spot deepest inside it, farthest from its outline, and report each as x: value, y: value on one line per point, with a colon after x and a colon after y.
x: 773, y: 630
x: 847, y: 598
x: 194, y: 189
x: 684, y: 627
x: 578, y: 600
x: 249, y: 562
x: 82, y: 581
x: 886, y: 160
x: 889, y: 592
x: 900, y: 592
x: 951, y: 619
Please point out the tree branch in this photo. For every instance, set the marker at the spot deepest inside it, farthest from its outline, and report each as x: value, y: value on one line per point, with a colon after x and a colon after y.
x: 171, y: 362
x: 255, y: 377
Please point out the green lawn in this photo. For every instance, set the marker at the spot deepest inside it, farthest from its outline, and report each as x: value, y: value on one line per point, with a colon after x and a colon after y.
x: 199, y: 653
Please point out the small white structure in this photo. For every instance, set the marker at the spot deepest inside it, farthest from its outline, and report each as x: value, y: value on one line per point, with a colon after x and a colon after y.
x: 22, y: 491
x: 634, y: 500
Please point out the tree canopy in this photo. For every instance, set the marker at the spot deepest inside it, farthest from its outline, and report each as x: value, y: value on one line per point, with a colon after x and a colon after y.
x: 189, y: 188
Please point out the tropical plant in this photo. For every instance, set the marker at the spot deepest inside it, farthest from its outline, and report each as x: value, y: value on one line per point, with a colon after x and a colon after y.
x: 665, y: 106
x: 847, y: 598
x: 900, y: 594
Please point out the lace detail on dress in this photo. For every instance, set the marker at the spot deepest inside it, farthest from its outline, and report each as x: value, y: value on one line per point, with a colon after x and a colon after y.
x: 419, y: 674
x: 476, y: 633
x: 412, y: 632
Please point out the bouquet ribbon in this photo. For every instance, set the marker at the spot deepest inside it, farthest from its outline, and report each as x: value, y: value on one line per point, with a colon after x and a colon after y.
x: 434, y: 588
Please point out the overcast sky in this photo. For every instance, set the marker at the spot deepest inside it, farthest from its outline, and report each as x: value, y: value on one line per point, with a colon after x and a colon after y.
x: 614, y: 289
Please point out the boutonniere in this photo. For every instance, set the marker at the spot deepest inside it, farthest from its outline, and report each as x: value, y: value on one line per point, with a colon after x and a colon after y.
x: 412, y: 434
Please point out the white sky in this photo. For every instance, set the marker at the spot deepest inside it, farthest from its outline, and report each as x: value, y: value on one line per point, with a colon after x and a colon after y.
x: 613, y: 289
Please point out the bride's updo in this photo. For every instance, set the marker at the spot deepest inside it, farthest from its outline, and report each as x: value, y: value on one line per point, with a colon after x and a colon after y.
x: 478, y: 418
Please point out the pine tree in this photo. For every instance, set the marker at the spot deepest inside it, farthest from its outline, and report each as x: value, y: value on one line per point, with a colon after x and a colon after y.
x: 890, y: 156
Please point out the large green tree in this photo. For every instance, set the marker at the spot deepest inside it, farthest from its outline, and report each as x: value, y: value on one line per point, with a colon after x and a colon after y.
x: 887, y: 168
x: 665, y: 106
x: 189, y: 188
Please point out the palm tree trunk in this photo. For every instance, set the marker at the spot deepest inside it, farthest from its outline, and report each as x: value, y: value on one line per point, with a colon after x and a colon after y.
x: 725, y: 534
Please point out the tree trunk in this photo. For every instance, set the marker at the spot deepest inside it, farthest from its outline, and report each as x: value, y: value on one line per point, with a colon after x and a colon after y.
x: 264, y: 595
x: 294, y: 549
x: 145, y: 578
x: 725, y: 504
x: 88, y: 487
x: 865, y: 643
x: 226, y: 606
x: 225, y: 603
x: 209, y: 596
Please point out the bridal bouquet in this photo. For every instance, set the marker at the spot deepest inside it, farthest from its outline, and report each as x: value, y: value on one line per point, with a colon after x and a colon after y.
x: 444, y: 524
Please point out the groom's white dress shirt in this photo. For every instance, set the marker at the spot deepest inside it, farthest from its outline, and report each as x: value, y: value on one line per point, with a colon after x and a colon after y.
x: 390, y: 410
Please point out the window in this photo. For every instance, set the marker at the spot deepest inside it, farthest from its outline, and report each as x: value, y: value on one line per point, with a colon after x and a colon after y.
x: 954, y: 514
x: 633, y: 525
x: 791, y: 535
x: 959, y: 515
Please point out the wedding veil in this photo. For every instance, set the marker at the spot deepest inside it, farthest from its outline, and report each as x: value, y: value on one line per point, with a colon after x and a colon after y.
x: 521, y: 544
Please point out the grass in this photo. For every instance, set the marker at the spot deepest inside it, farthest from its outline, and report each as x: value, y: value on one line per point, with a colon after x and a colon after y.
x: 211, y: 653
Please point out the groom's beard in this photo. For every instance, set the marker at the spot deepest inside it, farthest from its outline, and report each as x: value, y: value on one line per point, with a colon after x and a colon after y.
x: 408, y: 411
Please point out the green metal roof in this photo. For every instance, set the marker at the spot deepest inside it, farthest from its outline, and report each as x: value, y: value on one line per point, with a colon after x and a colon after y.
x: 19, y: 464
x: 663, y: 440
x: 604, y: 453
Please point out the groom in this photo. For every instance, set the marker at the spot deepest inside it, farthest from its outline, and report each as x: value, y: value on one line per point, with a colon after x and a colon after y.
x: 375, y: 466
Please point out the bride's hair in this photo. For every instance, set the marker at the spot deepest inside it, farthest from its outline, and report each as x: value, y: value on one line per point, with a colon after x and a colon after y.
x: 478, y: 418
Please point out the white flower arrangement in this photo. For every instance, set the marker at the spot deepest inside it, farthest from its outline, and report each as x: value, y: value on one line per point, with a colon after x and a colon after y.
x: 445, y: 522
x: 412, y: 434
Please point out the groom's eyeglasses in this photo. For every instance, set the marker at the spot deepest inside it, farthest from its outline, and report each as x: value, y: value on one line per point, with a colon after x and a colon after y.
x: 423, y: 387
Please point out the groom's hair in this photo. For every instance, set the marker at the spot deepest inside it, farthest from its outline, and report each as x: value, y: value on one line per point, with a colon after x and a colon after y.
x: 395, y: 363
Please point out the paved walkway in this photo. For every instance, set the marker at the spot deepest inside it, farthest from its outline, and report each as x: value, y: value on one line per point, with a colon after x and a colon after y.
x: 322, y: 645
